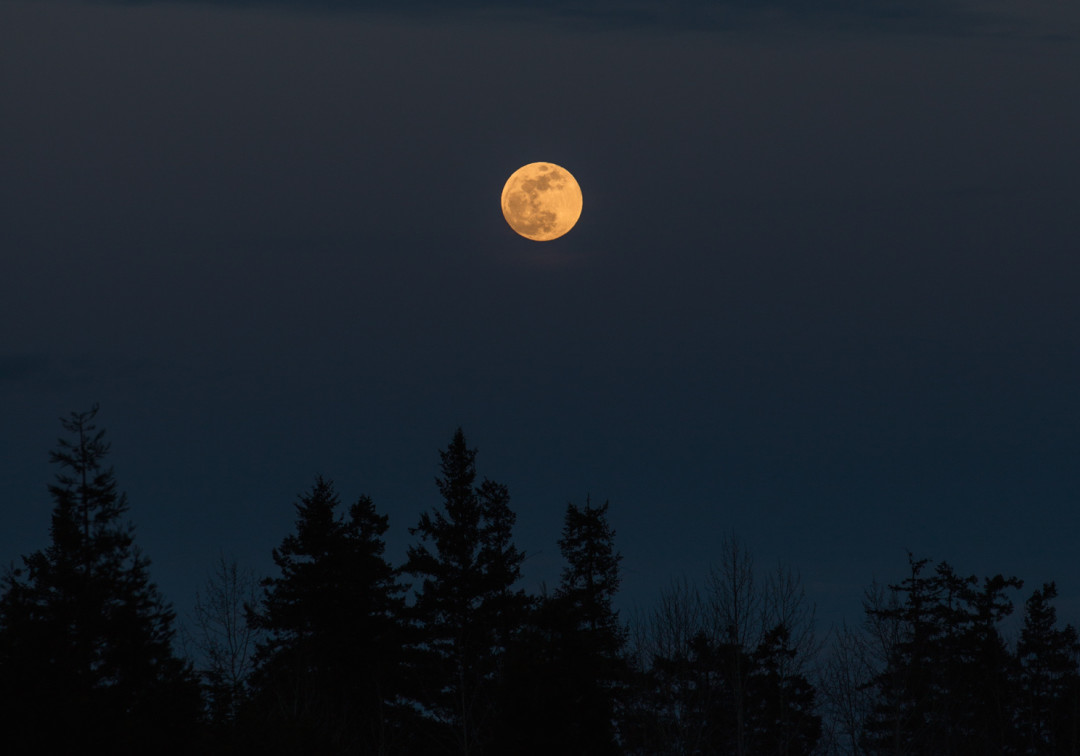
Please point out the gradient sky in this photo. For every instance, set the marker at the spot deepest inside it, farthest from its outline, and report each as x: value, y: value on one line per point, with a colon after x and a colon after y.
x: 823, y: 293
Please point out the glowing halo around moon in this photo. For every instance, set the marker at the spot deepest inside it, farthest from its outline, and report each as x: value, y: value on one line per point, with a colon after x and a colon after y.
x: 541, y: 201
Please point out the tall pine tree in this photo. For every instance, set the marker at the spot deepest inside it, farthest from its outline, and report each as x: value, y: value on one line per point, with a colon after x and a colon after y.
x: 328, y: 677
x: 466, y: 605
x: 1048, y: 711
x: 86, y: 657
x: 590, y: 582
x: 559, y: 695
x: 946, y: 682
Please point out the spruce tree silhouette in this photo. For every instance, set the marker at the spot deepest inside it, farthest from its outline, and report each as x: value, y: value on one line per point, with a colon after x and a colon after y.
x: 466, y: 606
x: 984, y: 670
x: 328, y: 677
x: 946, y: 685
x: 564, y: 674
x: 1048, y: 716
x: 590, y: 579
x: 590, y: 582
x: 783, y: 721
x: 86, y: 661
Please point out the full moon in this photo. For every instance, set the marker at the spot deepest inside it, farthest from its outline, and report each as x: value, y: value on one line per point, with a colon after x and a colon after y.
x: 541, y: 201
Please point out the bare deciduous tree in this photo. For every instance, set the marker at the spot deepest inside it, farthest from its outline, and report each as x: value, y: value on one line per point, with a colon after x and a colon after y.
x: 842, y: 682
x: 222, y: 637
x: 715, y: 661
x: 734, y: 604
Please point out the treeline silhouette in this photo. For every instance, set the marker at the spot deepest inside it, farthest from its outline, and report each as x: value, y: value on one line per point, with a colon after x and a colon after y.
x: 341, y: 652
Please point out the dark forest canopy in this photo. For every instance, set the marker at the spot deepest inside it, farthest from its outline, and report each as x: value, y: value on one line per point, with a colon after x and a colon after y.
x: 341, y: 651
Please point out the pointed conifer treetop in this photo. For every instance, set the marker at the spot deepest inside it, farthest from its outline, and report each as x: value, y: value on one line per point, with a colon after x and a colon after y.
x: 591, y: 575
x: 468, y: 536
x: 457, y: 532
x: 466, y: 605
x: 1048, y: 655
x: 332, y: 571
x: 328, y: 675
x: 93, y: 633
x: 287, y: 611
x: 86, y: 522
x: 587, y: 637
x: 89, y: 539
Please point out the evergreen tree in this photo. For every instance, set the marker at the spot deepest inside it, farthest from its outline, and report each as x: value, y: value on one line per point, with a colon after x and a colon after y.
x: 86, y: 658
x: 590, y: 579
x: 688, y: 700
x: 902, y: 687
x: 673, y: 684
x: 985, y: 671
x: 466, y: 606
x: 590, y: 582
x: 946, y: 685
x: 559, y: 693
x: 327, y: 678
x: 694, y: 690
x: 535, y: 699
x: 782, y: 720
x: 1048, y: 715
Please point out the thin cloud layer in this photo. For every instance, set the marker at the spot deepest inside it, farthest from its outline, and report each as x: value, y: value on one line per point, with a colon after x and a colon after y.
x: 943, y: 16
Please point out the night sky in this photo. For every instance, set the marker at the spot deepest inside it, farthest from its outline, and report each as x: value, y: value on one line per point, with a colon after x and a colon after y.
x: 823, y: 293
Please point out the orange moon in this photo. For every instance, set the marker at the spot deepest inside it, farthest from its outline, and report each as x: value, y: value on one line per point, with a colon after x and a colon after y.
x: 541, y: 201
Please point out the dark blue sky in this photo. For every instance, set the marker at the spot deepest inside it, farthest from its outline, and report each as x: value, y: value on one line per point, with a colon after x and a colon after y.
x: 823, y: 292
